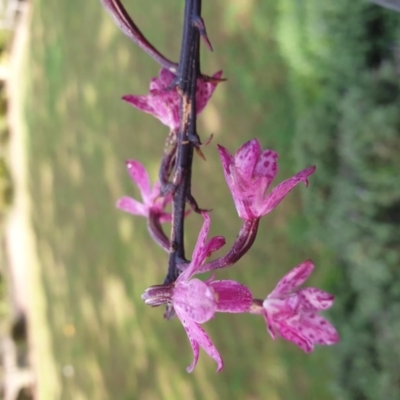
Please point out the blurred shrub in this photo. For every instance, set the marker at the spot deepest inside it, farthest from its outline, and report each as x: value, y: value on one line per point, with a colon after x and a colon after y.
x: 345, y: 64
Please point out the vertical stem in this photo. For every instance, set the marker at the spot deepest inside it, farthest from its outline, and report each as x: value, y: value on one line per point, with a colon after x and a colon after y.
x: 188, y: 72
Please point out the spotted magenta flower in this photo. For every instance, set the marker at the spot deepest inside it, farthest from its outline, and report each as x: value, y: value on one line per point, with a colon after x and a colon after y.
x: 294, y: 313
x: 196, y: 301
x: 249, y: 174
x: 151, y: 199
x: 163, y: 100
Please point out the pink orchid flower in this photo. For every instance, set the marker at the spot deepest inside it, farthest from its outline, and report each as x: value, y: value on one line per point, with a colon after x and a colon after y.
x: 293, y: 312
x: 151, y: 199
x: 163, y: 100
x: 196, y: 301
x: 249, y: 174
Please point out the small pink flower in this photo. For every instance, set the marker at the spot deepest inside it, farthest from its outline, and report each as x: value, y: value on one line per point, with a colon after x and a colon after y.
x: 151, y: 200
x: 196, y: 301
x: 163, y: 100
x: 249, y: 174
x: 293, y: 312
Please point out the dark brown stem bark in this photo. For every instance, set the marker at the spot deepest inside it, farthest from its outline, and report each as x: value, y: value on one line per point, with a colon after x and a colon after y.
x: 187, y: 138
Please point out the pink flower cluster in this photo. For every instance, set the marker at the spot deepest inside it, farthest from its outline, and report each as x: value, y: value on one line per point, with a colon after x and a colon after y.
x: 289, y: 311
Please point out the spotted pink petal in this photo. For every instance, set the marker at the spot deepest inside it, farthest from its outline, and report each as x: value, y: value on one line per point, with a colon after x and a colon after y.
x: 293, y: 279
x: 267, y: 166
x: 204, y: 91
x: 132, y: 206
x: 314, y: 299
x: 246, y: 158
x: 293, y: 311
x: 194, y: 299
x: 317, y: 329
x: 140, y: 177
x: 280, y: 192
x: 250, y: 173
x: 166, y: 105
x: 198, y: 337
x: 232, y: 296
x: 293, y: 335
x: 164, y: 80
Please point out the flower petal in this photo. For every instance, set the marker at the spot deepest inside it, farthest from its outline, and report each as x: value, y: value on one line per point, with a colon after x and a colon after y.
x: 293, y: 335
x: 226, y: 160
x: 142, y: 103
x: 155, y: 192
x: 190, y: 328
x: 199, y: 254
x: 214, y: 244
x: 280, y: 192
x: 164, y: 80
x: 194, y: 299
x: 313, y: 299
x: 197, y: 336
x: 294, y: 278
x: 317, y: 329
x: 166, y: 105
x: 140, y: 177
x: 163, y: 100
x: 267, y: 166
x: 205, y: 90
x: 270, y: 324
x: 132, y: 206
x: 232, y: 296
x: 246, y: 158
x: 165, y: 217
x: 282, y: 308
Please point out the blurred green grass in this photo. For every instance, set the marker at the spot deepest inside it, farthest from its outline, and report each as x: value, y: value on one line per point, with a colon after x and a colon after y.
x: 96, y: 261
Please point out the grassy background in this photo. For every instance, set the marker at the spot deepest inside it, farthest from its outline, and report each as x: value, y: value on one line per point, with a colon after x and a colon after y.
x: 96, y: 261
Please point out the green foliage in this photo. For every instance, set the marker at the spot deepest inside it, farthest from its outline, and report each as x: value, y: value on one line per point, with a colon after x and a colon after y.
x: 361, y: 215
x: 345, y: 72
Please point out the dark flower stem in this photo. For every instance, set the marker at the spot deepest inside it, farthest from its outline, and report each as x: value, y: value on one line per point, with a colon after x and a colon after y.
x: 187, y: 138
